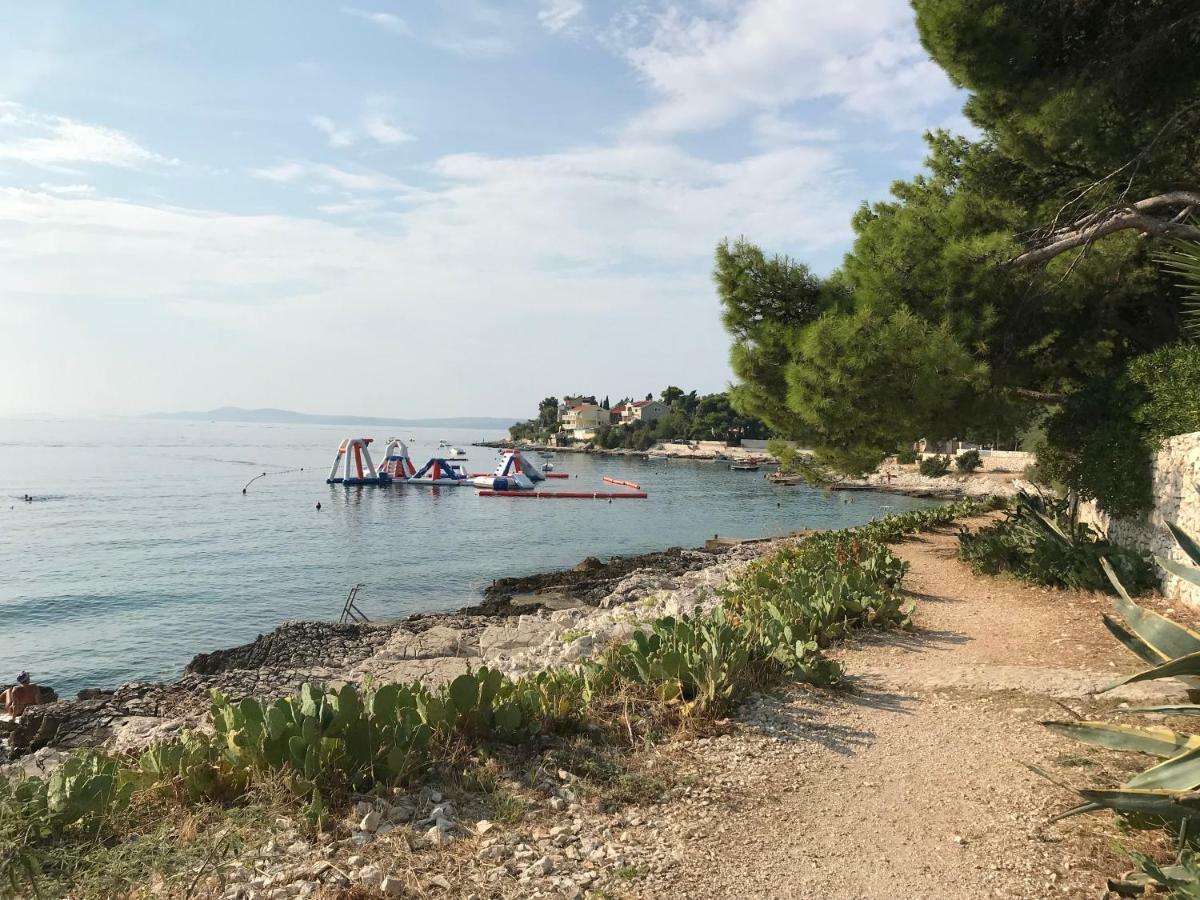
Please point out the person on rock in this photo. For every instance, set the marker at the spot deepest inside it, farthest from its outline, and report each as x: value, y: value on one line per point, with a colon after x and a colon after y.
x: 21, y: 695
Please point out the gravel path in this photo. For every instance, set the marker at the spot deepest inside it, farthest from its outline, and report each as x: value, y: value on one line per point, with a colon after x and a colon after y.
x: 914, y: 783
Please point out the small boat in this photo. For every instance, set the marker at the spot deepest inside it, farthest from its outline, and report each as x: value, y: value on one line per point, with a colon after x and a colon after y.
x: 449, y: 452
x: 749, y: 465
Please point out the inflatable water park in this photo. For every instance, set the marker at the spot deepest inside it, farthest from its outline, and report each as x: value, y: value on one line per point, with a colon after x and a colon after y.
x: 515, y: 474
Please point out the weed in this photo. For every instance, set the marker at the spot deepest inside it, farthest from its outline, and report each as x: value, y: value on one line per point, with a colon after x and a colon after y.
x: 1069, y: 761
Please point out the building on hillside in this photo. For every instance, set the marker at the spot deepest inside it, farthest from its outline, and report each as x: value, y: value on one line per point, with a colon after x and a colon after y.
x: 570, y: 402
x: 644, y: 411
x: 617, y: 413
x: 583, y: 420
x: 948, y: 448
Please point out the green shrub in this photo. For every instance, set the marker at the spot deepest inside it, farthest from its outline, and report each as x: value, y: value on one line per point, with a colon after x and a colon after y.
x: 1039, y: 542
x: 934, y: 466
x: 906, y: 456
x: 968, y: 461
x: 1034, y: 475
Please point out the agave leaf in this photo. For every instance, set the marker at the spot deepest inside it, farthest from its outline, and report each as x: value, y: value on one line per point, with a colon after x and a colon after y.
x: 1179, y: 570
x: 1157, y: 741
x: 1183, y: 665
x: 1164, y: 804
x: 1052, y: 527
x: 1132, y: 642
x: 1114, y: 580
x: 1179, y: 773
x: 1186, y: 543
x: 1183, y: 709
x: 1167, y: 638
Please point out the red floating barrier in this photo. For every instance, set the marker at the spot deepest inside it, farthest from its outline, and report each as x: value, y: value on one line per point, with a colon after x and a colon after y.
x: 556, y: 474
x: 628, y: 484
x: 566, y: 495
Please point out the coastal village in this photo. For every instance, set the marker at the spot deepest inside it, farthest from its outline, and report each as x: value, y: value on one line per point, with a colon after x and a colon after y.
x: 956, y: 654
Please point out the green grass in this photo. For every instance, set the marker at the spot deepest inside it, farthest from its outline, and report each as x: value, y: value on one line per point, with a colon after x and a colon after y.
x: 152, y: 841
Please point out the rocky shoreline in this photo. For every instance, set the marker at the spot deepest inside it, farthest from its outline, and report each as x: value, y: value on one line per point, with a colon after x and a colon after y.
x: 522, y: 624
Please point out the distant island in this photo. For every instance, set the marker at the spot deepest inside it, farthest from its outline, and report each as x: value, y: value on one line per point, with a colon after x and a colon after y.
x: 289, y: 417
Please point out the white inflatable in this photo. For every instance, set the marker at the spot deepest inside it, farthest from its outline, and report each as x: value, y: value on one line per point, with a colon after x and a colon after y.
x: 514, y: 473
x: 439, y: 471
x: 396, y: 464
x: 354, y: 459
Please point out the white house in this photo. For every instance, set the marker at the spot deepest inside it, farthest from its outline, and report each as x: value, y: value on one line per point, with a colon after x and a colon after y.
x: 569, y: 402
x: 644, y: 411
x: 583, y: 420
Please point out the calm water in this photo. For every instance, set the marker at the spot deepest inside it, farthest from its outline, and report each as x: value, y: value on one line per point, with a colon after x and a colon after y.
x: 141, y: 549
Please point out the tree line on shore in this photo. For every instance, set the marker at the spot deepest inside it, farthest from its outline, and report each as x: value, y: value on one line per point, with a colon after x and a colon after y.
x: 1040, y: 277
x: 688, y: 417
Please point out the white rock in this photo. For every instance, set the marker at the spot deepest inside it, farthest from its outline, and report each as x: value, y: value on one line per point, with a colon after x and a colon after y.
x: 543, y: 866
x: 371, y: 876
x: 392, y: 886
x: 483, y: 826
x: 370, y: 822
x: 436, y: 837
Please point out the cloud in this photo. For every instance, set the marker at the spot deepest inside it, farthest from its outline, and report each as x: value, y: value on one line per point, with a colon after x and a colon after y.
x: 472, y: 43
x: 771, y: 129
x: 626, y: 205
x: 380, y: 129
x: 766, y: 55
x: 559, y: 15
x: 609, y: 237
x: 321, y: 176
x: 338, y: 137
x: 374, y: 126
x: 68, y: 188
x: 58, y: 143
x: 386, y: 21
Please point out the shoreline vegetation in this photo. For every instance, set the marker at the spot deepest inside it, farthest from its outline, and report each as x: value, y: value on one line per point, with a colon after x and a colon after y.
x: 992, y: 478
x: 643, y: 649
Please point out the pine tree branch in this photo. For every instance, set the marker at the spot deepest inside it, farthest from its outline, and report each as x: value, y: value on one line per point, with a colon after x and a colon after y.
x: 1039, y: 396
x: 1138, y: 216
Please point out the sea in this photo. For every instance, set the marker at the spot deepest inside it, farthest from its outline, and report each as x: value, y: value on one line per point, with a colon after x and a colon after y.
x: 140, y: 548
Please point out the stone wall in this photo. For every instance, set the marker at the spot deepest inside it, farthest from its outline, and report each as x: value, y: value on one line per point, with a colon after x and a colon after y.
x: 1176, y: 473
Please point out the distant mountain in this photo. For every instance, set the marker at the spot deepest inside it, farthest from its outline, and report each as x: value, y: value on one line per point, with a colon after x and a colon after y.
x: 288, y: 417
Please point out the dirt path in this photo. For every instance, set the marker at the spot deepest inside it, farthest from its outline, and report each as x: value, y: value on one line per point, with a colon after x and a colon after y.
x: 914, y: 783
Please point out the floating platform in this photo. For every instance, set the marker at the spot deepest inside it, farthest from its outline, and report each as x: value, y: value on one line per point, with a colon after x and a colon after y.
x: 567, y: 495
x: 354, y: 458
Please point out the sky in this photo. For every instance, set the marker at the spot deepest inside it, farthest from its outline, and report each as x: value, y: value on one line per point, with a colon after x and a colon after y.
x: 411, y: 209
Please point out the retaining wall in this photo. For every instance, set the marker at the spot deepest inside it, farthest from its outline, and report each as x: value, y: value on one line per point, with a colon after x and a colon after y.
x: 1176, y: 474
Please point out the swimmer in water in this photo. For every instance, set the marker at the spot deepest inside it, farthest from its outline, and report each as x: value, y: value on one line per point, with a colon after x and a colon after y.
x: 318, y: 506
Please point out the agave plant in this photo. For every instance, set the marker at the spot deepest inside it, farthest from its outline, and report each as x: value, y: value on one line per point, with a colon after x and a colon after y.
x: 1167, y: 789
